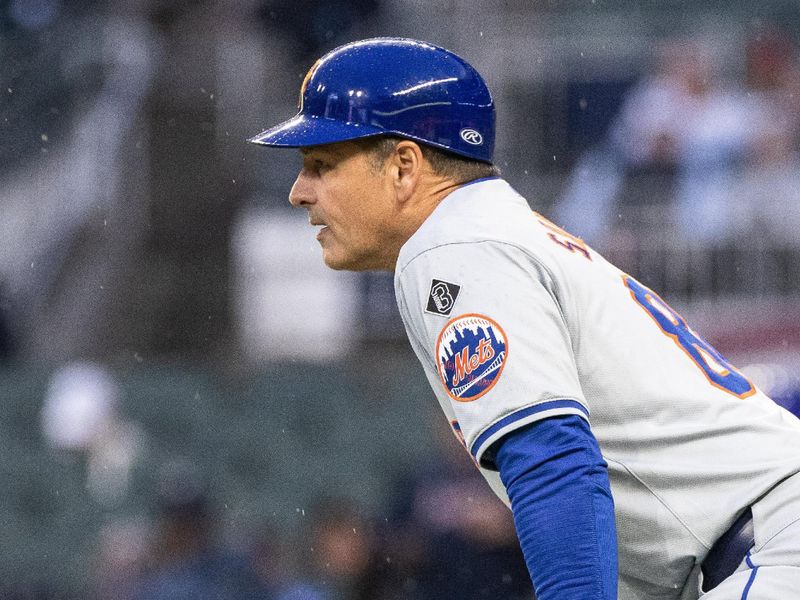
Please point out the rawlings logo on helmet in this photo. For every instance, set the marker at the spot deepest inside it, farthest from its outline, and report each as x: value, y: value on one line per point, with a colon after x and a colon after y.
x: 471, y: 137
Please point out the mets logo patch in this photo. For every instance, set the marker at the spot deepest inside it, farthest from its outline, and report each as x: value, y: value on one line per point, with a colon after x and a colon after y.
x: 470, y: 354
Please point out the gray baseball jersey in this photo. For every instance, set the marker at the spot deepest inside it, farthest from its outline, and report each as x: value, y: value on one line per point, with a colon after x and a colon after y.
x: 515, y: 320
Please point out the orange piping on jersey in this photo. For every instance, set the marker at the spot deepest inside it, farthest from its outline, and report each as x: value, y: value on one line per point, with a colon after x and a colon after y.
x: 675, y: 339
x: 571, y: 243
x: 711, y: 361
x: 663, y: 308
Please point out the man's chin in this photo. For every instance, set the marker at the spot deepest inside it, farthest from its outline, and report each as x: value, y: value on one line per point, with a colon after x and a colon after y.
x: 340, y: 263
x: 344, y: 266
x: 337, y: 263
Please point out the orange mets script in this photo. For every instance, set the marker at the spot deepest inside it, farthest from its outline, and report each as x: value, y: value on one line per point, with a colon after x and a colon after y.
x: 466, y: 363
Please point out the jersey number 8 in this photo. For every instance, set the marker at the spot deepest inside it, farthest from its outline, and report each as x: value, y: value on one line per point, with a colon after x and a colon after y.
x: 719, y: 372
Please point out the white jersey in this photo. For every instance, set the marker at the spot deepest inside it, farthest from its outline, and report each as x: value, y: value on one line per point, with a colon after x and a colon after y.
x: 514, y: 320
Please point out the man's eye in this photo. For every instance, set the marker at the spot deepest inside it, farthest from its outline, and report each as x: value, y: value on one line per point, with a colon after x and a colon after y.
x: 317, y: 165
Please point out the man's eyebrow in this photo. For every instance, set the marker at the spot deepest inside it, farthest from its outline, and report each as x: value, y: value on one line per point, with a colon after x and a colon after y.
x: 322, y: 153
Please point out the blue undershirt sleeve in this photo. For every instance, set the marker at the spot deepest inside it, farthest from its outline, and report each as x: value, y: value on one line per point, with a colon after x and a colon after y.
x: 557, y: 482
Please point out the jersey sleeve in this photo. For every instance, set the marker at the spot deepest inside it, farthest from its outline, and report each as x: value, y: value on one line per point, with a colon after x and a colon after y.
x: 563, y: 509
x: 485, y: 322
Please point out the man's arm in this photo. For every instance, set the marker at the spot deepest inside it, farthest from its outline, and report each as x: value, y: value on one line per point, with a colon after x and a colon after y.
x: 558, y: 484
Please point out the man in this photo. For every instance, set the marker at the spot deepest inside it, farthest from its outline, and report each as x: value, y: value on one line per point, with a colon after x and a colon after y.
x: 528, y: 336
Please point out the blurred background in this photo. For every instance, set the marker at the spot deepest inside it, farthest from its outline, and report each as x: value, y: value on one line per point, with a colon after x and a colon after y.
x: 192, y: 406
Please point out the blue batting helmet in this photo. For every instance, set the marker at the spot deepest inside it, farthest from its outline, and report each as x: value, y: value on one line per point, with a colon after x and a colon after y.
x: 391, y: 86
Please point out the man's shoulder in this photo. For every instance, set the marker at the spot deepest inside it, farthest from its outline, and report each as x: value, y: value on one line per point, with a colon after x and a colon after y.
x: 487, y: 210
x: 489, y: 214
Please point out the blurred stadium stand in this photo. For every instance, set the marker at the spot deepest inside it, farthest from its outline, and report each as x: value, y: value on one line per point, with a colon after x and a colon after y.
x: 268, y: 445
x: 125, y: 185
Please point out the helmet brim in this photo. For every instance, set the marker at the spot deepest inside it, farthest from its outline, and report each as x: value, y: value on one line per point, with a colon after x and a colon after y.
x: 307, y: 130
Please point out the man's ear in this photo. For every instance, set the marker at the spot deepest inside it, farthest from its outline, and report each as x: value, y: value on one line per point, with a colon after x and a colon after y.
x: 407, y: 162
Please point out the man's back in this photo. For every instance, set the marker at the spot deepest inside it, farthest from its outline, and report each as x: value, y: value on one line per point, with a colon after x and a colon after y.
x: 689, y: 441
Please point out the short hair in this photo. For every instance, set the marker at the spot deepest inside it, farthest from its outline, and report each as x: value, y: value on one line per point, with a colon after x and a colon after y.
x: 454, y: 166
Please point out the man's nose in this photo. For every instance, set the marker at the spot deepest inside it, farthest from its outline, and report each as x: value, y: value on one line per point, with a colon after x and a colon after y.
x: 302, y: 192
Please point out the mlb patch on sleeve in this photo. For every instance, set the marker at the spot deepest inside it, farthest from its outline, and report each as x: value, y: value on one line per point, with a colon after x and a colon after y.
x: 442, y: 297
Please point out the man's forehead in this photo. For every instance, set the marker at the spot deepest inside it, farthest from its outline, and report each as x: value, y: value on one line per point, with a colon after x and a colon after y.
x: 334, y: 150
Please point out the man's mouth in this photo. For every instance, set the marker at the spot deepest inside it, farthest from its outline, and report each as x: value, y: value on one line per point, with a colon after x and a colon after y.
x: 321, y: 231
x: 318, y: 223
